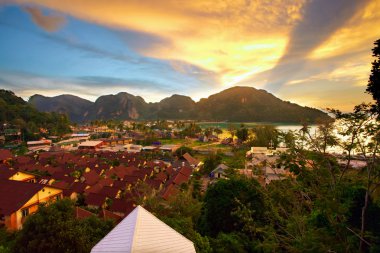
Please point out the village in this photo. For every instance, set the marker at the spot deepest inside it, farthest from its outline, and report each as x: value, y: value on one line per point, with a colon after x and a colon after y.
x: 112, y: 171
x: 108, y: 176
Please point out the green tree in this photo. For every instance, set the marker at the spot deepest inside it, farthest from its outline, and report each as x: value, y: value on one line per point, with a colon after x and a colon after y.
x: 210, y: 163
x: 224, y: 197
x: 54, y: 228
x: 373, y: 86
x: 218, y: 131
x: 231, y: 242
x: 264, y: 136
x: 288, y: 138
x: 191, y: 130
x: 183, y: 150
x: 363, y: 129
x: 242, y: 133
x: 232, y: 130
x: 7, y: 240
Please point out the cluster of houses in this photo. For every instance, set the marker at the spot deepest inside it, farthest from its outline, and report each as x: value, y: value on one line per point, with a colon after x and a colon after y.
x: 108, y: 184
x: 260, y: 164
x: 82, y: 141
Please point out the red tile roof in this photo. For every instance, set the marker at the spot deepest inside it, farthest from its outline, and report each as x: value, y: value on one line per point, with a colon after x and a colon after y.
x: 78, y: 187
x: 122, y: 171
x: 180, y: 178
x: 139, y: 174
x: 169, y: 191
x: 105, y: 181
x: 119, y: 184
x: 170, y: 170
x: 45, y: 155
x: 161, y: 176
x: 5, y: 154
x: 6, y: 173
x: 14, y: 194
x: 105, y: 214
x: 109, y: 192
x: 94, y: 199
x: 130, y: 179
x: 59, y: 175
x: 23, y: 159
x: 61, y: 185
x: 91, y: 177
x: 187, y: 171
x: 154, y: 183
x: 82, y: 213
x: 190, y: 159
x: 121, y: 206
x: 94, y: 189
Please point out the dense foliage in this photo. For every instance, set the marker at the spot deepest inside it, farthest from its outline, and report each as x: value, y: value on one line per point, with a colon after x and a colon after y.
x: 54, y: 228
x: 210, y: 163
x: 373, y: 86
x: 16, y: 113
x: 183, y: 150
x: 73, y: 106
x: 264, y: 136
x: 221, y: 202
x: 191, y: 130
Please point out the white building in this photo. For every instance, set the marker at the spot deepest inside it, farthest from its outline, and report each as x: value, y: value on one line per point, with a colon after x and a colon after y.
x: 169, y: 147
x: 132, y: 148
x: 149, y: 148
x: 90, y: 145
x: 39, y: 145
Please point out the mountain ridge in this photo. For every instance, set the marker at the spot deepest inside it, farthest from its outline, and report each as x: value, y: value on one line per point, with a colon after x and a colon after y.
x: 239, y: 104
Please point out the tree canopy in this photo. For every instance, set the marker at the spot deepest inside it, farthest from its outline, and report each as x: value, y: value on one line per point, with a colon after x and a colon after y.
x: 373, y: 86
x: 54, y: 228
x: 16, y: 113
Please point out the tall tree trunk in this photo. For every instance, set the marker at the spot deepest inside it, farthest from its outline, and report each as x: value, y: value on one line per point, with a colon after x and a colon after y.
x: 362, y: 230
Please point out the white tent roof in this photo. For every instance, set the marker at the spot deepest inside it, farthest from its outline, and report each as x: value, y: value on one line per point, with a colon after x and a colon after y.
x: 142, y: 232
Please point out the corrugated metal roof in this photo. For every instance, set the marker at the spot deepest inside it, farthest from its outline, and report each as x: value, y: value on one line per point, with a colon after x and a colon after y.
x: 90, y: 143
x: 141, y: 232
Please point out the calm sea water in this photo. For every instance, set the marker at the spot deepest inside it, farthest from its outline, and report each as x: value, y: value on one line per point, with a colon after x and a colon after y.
x: 280, y: 126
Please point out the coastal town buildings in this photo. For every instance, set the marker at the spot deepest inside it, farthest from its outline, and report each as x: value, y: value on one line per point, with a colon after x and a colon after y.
x: 109, y: 182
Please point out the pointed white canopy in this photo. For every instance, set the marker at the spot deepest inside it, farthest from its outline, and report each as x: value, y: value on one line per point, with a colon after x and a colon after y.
x: 142, y: 232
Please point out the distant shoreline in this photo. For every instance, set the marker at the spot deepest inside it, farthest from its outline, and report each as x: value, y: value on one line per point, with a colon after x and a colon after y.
x: 251, y: 123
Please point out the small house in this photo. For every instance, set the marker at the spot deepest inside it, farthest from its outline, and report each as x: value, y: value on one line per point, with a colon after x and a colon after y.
x: 219, y: 171
x: 92, y: 145
x: 20, y: 199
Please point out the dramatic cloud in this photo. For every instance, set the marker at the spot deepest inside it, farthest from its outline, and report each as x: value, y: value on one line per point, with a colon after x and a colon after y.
x: 321, y: 19
x: 50, y: 23
x: 280, y: 45
x: 235, y: 39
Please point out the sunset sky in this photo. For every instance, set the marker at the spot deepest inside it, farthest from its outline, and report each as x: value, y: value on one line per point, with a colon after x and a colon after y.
x: 315, y: 53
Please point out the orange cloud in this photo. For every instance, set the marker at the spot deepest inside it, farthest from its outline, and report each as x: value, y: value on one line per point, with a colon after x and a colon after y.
x: 233, y: 39
x: 241, y: 40
x: 50, y: 23
x: 353, y: 37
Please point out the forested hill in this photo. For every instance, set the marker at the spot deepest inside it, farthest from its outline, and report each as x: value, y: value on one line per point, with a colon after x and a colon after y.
x: 238, y: 104
x: 17, y: 113
x: 244, y: 104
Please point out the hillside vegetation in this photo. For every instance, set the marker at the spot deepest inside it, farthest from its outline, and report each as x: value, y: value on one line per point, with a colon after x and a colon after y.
x: 237, y: 104
x: 15, y: 113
